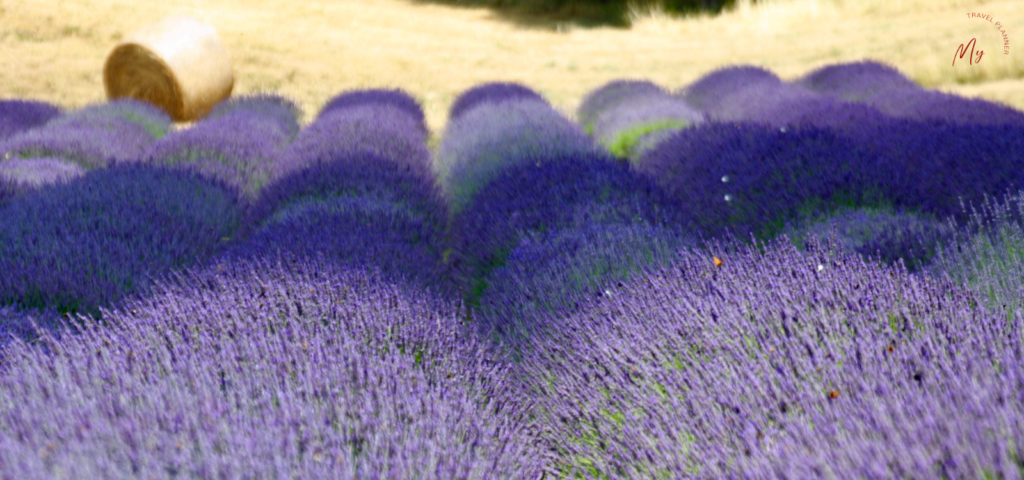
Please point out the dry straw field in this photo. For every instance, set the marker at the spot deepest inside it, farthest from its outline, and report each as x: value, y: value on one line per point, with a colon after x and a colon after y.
x: 54, y: 50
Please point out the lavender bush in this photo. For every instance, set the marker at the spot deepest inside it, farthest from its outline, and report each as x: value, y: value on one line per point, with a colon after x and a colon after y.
x: 751, y: 179
x: 549, y: 195
x: 552, y: 275
x: 268, y: 369
x: 622, y: 127
x: 611, y: 95
x: 360, y: 232
x: 938, y: 166
x: 94, y: 136
x: 282, y: 111
x: 356, y: 186
x: 382, y: 130
x: 918, y: 104
x: 87, y: 243
x: 22, y: 175
x: 492, y: 92
x: 988, y: 253
x: 778, y: 364
x: 887, y: 235
x: 238, y: 149
x: 17, y: 116
x: 707, y: 92
x: 882, y: 87
x: 853, y: 81
x: 492, y: 137
x: 378, y: 97
x: 24, y: 325
x: 791, y: 105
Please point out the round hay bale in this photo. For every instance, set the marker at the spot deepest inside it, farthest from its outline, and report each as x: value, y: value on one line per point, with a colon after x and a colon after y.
x: 177, y: 64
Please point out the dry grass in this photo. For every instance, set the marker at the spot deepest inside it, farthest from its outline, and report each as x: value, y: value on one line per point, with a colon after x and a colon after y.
x: 54, y: 50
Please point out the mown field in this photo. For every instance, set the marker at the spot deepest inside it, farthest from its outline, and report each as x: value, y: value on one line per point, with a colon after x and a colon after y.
x: 813, y: 272
x: 55, y: 50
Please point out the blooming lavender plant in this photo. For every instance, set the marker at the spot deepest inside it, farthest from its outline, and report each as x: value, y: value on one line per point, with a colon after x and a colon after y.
x: 492, y: 92
x: 610, y: 95
x: 238, y: 149
x: 94, y: 136
x: 790, y: 105
x: 266, y: 369
x: 356, y: 187
x: 853, y: 81
x: 887, y: 235
x: 384, y: 131
x: 707, y: 92
x: 623, y: 128
x: 919, y: 104
x: 484, y: 141
x: 360, y: 232
x: 282, y: 111
x: 552, y: 275
x: 87, y: 243
x: 546, y: 196
x: 775, y: 363
x: 750, y: 179
x: 17, y: 116
x: 939, y: 166
x: 21, y: 175
x: 397, y: 98
x: 987, y: 255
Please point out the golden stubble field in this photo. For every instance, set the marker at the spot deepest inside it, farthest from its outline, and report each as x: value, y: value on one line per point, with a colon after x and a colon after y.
x: 309, y: 51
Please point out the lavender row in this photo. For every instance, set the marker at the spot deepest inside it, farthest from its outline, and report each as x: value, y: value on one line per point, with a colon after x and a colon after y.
x: 94, y: 136
x: 268, y: 369
x: 19, y: 176
x: 86, y: 243
x: 529, y: 197
x: 237, y: 144
x: 17, y: 116
x: 622, y: 115
x: 355, y: 188
x: 773, y: 363
x: 882, y: 87
x: 496, y: 135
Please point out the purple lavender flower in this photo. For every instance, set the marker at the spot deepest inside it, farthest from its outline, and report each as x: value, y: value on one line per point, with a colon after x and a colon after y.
x: 87, y: 243
x: 292, y: 369
x: 357, y: 231
x: 987, y: 254
x: 492, y: 137
x: 750, y: 179
x: 17, y: 116
x: 918, y: 104
x: 492, y: 92
x: 282, y: 111
x: 938, y: 166
x: 854, y: 81
x: 397, y: 98
x: 622, y: 128
x: 610, y: 95
x: 94, y: 136
x: 556, y: 273
x: 238, y: 149
x: 383, y: 130
x: 708, y: 91
x: 24, y: 174
x: 890, y: 236
x: 777, y: 363
x: 550, y: 195
x: 791, y: 105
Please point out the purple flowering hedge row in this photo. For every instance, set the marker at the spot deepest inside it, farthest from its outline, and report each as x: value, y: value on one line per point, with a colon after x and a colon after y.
x: 803, y: 279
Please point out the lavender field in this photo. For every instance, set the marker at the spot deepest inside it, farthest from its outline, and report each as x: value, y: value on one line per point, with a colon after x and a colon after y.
x: 743, y: 277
